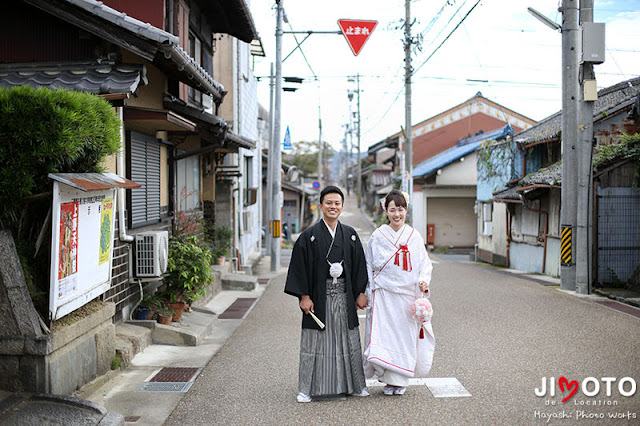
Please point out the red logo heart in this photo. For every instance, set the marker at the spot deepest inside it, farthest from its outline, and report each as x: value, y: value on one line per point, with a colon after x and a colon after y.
x: 562, y: 382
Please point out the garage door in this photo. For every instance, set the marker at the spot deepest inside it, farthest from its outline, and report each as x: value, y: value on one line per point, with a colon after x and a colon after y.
x: 454, y: 220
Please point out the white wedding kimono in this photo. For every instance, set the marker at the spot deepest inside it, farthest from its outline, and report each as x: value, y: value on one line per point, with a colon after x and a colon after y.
x: 396, y: 263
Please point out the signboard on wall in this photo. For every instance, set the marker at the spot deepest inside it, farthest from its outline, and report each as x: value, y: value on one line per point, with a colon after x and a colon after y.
x: 82, y: 235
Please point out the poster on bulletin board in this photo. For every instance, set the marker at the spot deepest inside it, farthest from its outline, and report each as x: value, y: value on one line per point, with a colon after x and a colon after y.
x: 81, y: 246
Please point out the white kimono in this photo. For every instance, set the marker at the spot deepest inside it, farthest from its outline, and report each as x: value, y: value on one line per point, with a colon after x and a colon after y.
x: 396, y: 263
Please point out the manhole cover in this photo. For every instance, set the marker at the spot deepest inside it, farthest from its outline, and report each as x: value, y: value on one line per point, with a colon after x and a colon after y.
x: 175, y: 374
x: 164, y: 387
x: 238, y: 308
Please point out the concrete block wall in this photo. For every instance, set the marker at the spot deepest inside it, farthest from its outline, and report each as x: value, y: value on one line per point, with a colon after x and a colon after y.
x: 61, y: 362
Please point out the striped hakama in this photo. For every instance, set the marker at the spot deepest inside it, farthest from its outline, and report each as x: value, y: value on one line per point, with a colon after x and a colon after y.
x: 331, y: 359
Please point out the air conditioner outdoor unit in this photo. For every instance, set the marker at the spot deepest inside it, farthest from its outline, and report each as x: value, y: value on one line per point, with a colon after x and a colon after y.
x: 152, y: 253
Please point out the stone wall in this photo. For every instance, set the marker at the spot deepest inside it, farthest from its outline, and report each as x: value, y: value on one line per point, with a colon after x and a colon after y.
x: 34, y: 360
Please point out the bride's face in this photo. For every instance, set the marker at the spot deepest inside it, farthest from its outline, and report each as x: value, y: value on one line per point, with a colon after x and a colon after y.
x: 396, y: 215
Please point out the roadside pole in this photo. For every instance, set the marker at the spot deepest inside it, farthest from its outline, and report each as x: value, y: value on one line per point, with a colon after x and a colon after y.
x: 275, y: 156
x: 585, y: 145
x: 570, y: 89
x: 408, y: 131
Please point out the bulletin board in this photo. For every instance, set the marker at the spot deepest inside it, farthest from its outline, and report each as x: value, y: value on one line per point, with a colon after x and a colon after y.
x: 81, y: 246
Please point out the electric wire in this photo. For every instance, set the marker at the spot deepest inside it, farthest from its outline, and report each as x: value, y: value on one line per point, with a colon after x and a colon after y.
x: 446, y: 38
x: 417, y: 69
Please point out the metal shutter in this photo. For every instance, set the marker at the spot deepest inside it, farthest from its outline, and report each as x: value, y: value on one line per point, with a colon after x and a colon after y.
x: 145, y: 170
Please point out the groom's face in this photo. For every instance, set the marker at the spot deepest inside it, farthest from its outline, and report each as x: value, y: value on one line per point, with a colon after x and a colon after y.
x: 331, y: 206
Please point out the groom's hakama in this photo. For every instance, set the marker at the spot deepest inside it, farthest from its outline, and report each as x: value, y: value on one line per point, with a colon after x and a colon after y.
x: 331, y: 360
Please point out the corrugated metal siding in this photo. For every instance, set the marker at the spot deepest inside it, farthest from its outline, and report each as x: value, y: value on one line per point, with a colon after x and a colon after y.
x: 552, y: 264
x: 145, y: 170
x: 618, y: 233
x: 525, y: 257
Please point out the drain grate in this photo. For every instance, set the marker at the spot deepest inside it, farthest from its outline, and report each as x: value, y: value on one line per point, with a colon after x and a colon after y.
x: 264, y: 281
x: 164, y: 387
x: 175, y: 374
x: 238, y: 308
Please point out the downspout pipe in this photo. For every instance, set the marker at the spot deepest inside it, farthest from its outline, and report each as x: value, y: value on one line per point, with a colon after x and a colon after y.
x: 546, y: 230
x: 508, y: 228
x: 120, y: 171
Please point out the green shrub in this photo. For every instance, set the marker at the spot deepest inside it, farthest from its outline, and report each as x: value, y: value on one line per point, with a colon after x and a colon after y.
x: 46, y: 131
x: 189, y: 269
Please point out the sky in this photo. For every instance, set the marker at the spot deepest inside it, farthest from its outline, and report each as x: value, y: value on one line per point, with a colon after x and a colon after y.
x: 499, y: 49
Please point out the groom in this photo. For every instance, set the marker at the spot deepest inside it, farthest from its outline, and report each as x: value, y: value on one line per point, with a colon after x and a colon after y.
x: 328, y: 275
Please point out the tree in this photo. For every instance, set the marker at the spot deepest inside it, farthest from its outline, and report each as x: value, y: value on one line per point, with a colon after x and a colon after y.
x: 304, y: 156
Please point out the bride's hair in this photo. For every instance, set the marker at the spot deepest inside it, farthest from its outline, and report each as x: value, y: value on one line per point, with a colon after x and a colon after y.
x: 397, y: 197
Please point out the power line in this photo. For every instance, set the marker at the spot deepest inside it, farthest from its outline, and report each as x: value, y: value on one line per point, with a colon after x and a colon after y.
x: 446, y: 38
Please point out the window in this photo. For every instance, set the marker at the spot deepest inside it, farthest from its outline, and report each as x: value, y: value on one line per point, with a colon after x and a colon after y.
x: 487, y: 219
x: 144, y: 168
x: 247, y: 222
x: 531, y: 219
x: 188, y: 183
x: 248, y: 172
x: 195, y: 51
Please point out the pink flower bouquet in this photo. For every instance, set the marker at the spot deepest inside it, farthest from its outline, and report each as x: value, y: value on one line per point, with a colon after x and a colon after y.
x: 421, y: 310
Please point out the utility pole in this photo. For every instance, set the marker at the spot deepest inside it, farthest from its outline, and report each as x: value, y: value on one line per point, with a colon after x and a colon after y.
x: 585, y: 146
x: 275, y: 156
x: 408, y: 131
x: 570, y: 96
x: 320, y: 176
x: 270, y: 163
x: 359, y: 195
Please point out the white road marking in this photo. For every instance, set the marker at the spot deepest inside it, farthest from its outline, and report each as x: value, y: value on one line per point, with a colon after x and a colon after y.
x: 440, y: 387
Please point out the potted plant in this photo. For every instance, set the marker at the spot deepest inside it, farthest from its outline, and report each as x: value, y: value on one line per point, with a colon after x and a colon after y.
x: 164, y: 315
x: 221, y: 243
x: 189, y: 270
x: 148, y: 305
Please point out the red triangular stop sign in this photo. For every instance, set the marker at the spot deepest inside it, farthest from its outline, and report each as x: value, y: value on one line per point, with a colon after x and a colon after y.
x: 356, y: 32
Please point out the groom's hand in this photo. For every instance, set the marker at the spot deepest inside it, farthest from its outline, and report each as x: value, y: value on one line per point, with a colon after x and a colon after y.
x: 362, y: 301
x: 306, y: 304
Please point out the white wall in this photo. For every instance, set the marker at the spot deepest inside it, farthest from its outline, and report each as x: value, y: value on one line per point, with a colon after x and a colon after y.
x: 459, y: 172
x: 246, y: 109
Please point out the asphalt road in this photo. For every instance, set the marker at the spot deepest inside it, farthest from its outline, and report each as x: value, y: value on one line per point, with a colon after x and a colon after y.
x: 497, y: 335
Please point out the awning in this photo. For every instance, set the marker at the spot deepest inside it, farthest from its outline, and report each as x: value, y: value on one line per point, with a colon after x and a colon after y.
x: 88, y: 182
x: 149, y: 120
x: 213, y: 129
x: 239, y: 141
x: 509, y: 195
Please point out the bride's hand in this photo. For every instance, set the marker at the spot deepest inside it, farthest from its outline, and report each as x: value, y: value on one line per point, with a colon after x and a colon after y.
x: 424, y: 287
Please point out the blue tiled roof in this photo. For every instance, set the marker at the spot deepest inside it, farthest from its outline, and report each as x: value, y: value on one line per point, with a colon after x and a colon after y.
x: 463, y: 147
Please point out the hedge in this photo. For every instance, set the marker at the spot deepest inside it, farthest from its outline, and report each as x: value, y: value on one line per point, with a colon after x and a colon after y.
x: 46, y: 131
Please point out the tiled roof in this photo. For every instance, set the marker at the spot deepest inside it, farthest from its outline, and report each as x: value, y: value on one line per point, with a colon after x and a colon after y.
x: 90, y: 78
x: 551, y: 175
x: 142, y: 38
x: 509, y: 194
x: 608, y: 98
x: 463, y: 147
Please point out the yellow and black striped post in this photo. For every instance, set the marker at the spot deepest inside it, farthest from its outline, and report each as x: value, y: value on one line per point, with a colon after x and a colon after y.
x: 566, y: 245
x: 275, y: 229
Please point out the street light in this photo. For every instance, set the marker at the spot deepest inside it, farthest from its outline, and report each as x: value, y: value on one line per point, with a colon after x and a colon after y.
x: 540, y: 17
